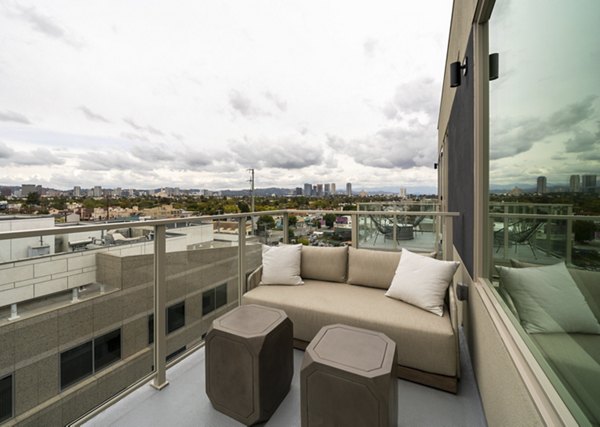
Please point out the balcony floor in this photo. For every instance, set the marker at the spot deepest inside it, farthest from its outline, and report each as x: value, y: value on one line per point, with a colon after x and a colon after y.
x: 184, y: 402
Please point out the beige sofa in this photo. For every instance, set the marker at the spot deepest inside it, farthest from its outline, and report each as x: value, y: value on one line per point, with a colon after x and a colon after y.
x: 347, y: 286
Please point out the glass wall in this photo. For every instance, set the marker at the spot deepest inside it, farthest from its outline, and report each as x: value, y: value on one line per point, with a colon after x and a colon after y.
x: 544, y: 201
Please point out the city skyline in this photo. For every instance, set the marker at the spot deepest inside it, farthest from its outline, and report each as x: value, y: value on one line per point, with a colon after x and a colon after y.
x: 90, y: 96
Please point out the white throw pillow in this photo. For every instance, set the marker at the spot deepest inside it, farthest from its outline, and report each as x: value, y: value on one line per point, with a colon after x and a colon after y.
x: 281, y: 265
x: 548, y: 300
x: 422, y: 281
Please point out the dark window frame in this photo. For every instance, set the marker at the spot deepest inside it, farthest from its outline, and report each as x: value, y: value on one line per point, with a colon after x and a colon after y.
x: 170, y: 312
x: 212, y: 297
x: 96, y: 346
x: 64, y: 386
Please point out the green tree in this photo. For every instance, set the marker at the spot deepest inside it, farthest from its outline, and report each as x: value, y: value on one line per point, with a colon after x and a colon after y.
x: 33, y: 199
x: 329, y: 219
x: 265, y: 221
x: 292, y: 220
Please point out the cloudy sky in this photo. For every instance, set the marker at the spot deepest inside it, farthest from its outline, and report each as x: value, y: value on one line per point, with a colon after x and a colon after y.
x: 191, y: 93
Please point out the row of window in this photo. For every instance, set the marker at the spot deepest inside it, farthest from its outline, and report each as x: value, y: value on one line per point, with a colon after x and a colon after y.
x: 85, y: 359
x: 89, y: 357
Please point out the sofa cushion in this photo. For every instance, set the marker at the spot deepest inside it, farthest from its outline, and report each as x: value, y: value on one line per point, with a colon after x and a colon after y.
x: 548, y: 300
x: 424, y: 341
x: 422, y: 281
x: 372, y: 268
x: 328, y: 264
x: 281, y: 265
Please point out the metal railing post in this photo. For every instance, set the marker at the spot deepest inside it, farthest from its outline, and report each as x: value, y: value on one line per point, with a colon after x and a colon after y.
x: 355, y: 229
x: 241, y: 258
x: 569, y: 238
x: 160, y: 297
x: 505, y: 241
x: 286, y: 227
x: 448, y: 239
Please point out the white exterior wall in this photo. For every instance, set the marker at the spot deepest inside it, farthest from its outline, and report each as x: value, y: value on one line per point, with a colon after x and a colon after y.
x: 15, y: 249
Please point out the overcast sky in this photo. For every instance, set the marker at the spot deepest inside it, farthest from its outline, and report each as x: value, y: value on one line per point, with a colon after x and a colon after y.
x: 190, y: 94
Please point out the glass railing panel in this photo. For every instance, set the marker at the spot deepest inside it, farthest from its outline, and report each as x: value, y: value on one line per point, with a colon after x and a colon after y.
x: 415, y: 231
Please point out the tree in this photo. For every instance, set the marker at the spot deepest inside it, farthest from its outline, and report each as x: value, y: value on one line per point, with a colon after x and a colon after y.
x: 329, y: 219
x: 33, y: 199
x: 266, y: 221
x: 292, y: 220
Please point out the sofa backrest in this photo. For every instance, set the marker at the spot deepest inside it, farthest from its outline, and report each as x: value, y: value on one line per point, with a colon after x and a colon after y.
x: 372, y: 268
x: 323, y: 263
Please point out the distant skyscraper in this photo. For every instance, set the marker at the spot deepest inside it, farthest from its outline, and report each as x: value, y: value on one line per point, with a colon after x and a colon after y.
x: 588, y: 183
x: 402, y: 192
x: 97, y: 192
x: 541, y: 185
x: 319, y: 190
x: 307, y: 190
x: 327, y: 189
x: 333, y: 191
x: 77, y: 191
x: 575, y: 184
x: 298, y: 191
x: 348, y: 189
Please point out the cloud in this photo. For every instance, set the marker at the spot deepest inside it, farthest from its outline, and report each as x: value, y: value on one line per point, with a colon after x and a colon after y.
x: 513, y: 137
x: 45, y: 25
x: 135, y: 136
x: 369, y: 47
x: 243, y: 105
x: 391, y: 147
x: 414, y: 97
x: 11, y: 116
x: 146, y: 128
x: 277, y: 101
x: 291, y: 152
x: 152, y: 153
x: 105, y: 161
x: 37, y: 157
x: 89, y: 114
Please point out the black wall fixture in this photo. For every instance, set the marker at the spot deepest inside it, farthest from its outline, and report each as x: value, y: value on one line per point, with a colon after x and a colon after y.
x: 457, y: 70
x: 494, y: 66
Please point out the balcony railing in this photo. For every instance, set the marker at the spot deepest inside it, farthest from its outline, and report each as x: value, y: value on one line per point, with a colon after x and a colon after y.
x: 112, y: 306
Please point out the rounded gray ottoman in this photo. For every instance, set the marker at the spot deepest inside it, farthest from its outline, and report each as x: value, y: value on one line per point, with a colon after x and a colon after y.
x: 249, y: 362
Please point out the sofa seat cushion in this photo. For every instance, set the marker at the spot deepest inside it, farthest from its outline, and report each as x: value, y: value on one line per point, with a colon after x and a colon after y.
x: 425, y: 341
x: 576, y: 360
x: 325, y: 263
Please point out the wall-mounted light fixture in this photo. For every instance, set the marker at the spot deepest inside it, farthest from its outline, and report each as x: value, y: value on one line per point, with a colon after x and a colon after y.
x: 494, y: 66
x: 435, y: 165
x: 456, y: 70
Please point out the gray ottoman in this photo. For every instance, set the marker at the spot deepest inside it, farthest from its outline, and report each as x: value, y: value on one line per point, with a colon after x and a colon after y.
x: 249, y: 362
x: 347, y: 379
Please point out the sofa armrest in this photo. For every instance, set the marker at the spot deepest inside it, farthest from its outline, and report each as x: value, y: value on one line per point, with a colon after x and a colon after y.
x: 453, y: 311
x: 254, y: 279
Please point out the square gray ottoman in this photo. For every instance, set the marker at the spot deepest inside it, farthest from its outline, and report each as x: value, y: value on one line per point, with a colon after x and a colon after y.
x: 249, y: 362
x: 348, y: 379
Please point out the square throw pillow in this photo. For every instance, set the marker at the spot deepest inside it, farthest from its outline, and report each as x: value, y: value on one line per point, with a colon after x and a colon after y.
x: 281, y: 265
x: 422, y: 281
x: 548, y: 300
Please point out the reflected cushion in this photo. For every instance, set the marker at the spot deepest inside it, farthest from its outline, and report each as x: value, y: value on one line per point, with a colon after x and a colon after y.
x: 548, y: 300
x: 281, y: 265
x: 422, y: 281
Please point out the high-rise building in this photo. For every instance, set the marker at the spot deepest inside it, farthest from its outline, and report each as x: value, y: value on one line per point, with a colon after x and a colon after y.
x: 298, y: 191
x: 348, y: 189
x: 28, y: 188
x: 588, y: 183
x: 319, y: 190
x: 327, y: 190
x: 575, y: 183
x: 307, y: 190
x: 402, y: 192
x: 77, y: 191
x: 333, y: 190
x: 541, y: 185
x: 97, y: 192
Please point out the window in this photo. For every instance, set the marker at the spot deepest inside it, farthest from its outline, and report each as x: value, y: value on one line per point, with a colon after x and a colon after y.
x: 175, y: 317
x: 214, y: 298
x: 221, y: 295
x: 107, y: 349
x: 151, y: 329
x: 6, y: 398
x: 75, y: 364
x: 208, y: 301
